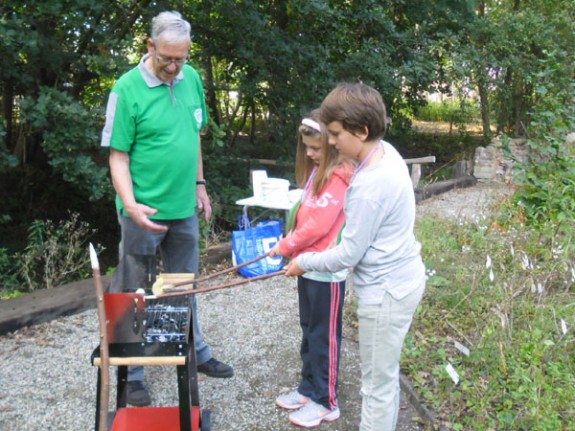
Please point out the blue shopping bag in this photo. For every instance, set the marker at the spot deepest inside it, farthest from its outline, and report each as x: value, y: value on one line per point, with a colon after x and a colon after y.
x: 250, y: 242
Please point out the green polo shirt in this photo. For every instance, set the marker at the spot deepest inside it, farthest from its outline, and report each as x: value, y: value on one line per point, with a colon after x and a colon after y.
x: 159, y: 126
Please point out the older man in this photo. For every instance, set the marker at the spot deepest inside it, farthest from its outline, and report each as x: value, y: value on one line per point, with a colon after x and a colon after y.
x: 153, y: 120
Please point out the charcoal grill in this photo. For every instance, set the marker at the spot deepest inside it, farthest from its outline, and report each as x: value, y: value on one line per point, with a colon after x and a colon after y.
x: 136, y: 329
x: 142, y: 331
x: 166, y: 323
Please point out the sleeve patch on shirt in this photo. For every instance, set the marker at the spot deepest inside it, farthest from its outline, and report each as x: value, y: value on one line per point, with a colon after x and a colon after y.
x: 199, y: 117
x: 110, y: 114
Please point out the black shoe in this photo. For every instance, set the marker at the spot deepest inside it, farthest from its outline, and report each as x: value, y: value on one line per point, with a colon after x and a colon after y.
x: 215, y: 368
x: 138, y: 394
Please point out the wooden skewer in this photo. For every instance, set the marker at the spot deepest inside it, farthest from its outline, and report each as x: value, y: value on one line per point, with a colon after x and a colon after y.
x: 172, y: 287
x: 223, y: 286
x: 104, y: 353
x: 225, y: 271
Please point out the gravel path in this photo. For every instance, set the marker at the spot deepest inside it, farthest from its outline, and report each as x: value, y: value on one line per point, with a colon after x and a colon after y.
x: 472, y: 203
x: 47, y: 382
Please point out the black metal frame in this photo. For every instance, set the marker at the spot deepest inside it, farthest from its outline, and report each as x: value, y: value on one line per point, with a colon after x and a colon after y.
x: 187, y: 378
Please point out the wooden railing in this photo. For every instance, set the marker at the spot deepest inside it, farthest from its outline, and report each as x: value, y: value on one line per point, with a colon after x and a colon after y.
x: 416, y: 167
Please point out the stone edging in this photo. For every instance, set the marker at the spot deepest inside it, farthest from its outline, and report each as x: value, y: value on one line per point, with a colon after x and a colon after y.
x: 427, y: 415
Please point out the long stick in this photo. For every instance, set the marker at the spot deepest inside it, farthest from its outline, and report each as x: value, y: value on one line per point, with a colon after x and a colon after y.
x: 233, y: 268
x: 216, y: 274
x: 223, y: 286
x: 104, y: 353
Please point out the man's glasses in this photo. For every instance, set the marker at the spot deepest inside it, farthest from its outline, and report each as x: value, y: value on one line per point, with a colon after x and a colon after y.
x: 177, y: 61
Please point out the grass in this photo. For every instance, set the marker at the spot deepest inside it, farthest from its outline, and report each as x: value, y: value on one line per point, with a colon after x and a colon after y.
x: 506, y: 294
x: 453, y: 112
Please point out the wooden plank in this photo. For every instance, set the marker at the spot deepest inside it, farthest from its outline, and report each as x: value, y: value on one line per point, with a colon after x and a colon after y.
x: 144, y: 360
x: 426, y: 159
x: 415, y: 174
x: 46, y: 304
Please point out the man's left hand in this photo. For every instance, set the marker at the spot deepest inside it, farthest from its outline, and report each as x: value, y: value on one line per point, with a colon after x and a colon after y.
x: 203, y: 200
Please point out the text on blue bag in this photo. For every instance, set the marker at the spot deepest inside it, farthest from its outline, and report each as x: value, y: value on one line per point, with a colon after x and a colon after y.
x: 252, y: 242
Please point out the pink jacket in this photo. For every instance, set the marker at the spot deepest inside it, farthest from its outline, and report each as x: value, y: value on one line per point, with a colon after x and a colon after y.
x: 319, y: 218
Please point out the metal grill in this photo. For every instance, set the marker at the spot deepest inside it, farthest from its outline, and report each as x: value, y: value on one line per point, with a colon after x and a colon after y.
x: 166, y: 323
x: 147, y: 327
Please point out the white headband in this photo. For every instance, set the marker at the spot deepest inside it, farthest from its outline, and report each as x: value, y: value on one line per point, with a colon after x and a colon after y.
x: 311, y: 123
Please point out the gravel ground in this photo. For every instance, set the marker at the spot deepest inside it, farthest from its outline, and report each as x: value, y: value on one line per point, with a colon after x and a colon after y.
x: 47, y: 382
x: 471, y: 203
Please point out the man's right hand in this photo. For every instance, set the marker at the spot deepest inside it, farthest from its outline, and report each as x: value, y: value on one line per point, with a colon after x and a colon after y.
x: 122, y: 180
x: 140, y: 214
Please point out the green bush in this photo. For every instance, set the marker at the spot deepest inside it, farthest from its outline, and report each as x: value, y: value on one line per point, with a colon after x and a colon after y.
x: 70, y: 136
x: 506, y: 294
x: 546, y: 179
x: 56, y: 253
x: 448, y: 111
x: 8, y: 275
x: 504, y: 287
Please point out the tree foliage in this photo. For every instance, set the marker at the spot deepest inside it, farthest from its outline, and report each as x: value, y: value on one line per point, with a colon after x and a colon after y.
x: 546, y: 178
x: 264, y: 65
x: 60, y: 57
x: 501, y: 51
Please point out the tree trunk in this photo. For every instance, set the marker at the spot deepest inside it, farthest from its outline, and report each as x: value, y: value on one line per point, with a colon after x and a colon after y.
x: 211, y: 98
x: 7, y: 107
x: 482, y: 80
x: 484, y: 103
x: 253, y: 125
x: 243, y: 120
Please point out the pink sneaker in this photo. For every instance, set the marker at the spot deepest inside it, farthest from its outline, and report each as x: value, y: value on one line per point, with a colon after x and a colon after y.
x: 292, y: 400
x: 313, y: 414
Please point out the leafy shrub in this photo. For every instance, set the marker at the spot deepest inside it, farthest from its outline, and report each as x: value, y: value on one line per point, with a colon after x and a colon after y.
x: 506, y: 294
x: 449, y: 112
x: 504, y: 287
x: 70, y: 133
x: 8, y: 275
x: 546, y: 179
x: 56, y: 253
x: 7, y: 160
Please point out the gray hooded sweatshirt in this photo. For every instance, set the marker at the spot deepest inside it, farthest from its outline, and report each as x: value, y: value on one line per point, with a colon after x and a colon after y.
x: 378, y: 242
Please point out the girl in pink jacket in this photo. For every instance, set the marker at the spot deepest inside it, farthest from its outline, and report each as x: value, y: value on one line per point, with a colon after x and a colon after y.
x: 316, y: 225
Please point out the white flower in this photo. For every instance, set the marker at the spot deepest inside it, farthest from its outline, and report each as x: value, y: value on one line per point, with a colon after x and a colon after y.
x: 525, y: 263
x: 488, y: 262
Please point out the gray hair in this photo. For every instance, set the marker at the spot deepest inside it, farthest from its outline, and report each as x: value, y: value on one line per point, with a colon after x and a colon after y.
x: 171, y: 26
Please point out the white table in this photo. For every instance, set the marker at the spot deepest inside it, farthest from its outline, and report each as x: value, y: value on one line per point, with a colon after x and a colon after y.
x: 282, y: 202
x: 285, y: 202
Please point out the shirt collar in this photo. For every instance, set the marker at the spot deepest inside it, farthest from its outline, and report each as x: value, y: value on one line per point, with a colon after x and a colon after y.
x: 151, y: 79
